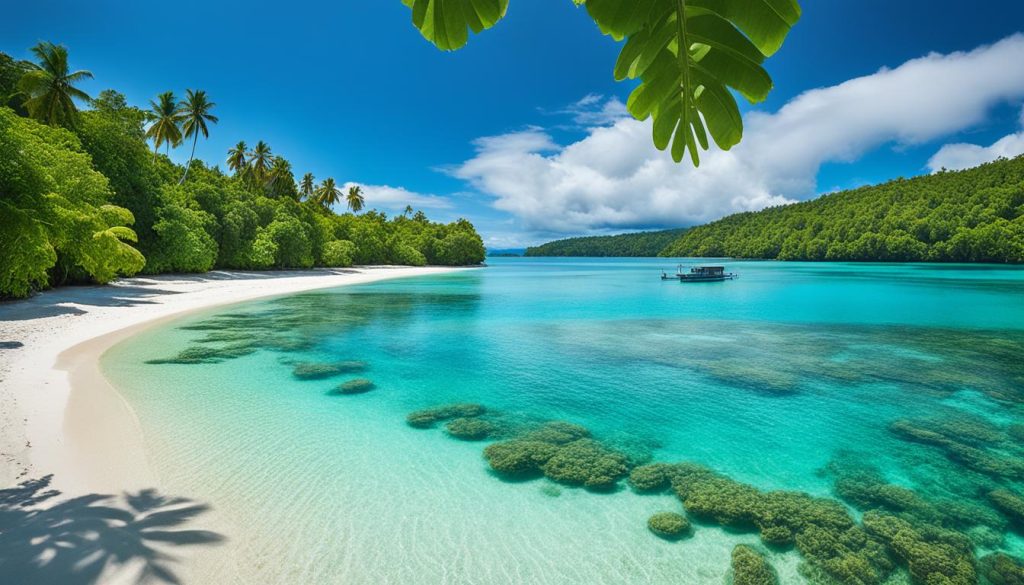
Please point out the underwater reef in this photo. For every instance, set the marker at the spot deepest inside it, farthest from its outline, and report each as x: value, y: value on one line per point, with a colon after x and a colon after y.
x: 1001, y: 569
x: 300, y: 322
x: 669, y: 525
x: 873, y: 532
x: 355, y: 386
x: 469, y: 429
x: 428, y: 417
x: 749, y: 567
x: 748, y: 356
x: 323, y: 370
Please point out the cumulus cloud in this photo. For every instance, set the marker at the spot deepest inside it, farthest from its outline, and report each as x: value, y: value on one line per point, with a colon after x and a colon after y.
x: 964, y: 156
x: 593, y: 110
x: 388, y: 197
x: 615, y: 178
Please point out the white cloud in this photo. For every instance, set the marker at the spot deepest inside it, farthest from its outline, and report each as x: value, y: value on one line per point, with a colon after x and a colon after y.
x: 388, y: 197
x: 964, y: 156
x: 614, y: 177
x: 594, y: 110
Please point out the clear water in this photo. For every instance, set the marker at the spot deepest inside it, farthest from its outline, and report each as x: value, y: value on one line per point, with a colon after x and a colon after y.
x: 767, y: 379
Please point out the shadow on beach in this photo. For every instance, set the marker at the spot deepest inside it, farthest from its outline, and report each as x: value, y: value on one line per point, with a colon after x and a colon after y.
x: 134, y: 291
x: 45, y: 539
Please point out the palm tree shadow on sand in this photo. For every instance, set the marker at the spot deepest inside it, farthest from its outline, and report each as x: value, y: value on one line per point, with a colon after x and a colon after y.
x: 76, y: 541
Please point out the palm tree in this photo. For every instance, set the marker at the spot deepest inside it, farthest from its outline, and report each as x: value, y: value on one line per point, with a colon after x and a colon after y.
x: 280, y: 176
x: 237, y: 160
x: 50, y: 88
x: 408, y: 210
x: 307, y: 186
x: 260, y: 160
x: 166, y: 117
x: 328, y: 193
x: 355, y: 198
x: 196, y: 111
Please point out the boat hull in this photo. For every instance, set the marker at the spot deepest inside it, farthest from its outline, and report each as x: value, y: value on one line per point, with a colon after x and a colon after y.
x: 690, y: 278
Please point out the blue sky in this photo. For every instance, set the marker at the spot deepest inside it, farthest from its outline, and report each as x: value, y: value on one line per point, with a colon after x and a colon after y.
x: 350, y: 90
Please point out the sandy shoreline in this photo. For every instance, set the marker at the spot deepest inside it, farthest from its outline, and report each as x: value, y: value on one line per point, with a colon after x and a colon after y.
x: 58, y: 413
x: 62, y: 334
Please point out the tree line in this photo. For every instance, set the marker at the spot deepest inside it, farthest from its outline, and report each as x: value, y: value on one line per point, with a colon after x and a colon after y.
x: 975, y: 215
x: 83, y: 198
x: 641, y: 244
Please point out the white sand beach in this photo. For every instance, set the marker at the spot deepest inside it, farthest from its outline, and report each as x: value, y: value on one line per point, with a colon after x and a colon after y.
x: 58, y: 414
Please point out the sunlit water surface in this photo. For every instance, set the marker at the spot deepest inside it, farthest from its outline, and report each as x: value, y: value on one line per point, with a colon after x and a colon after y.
x: 767, y: 379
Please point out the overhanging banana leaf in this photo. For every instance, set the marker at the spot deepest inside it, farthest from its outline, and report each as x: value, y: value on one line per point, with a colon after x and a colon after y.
x: 689, y: 56
x: 446, y: 22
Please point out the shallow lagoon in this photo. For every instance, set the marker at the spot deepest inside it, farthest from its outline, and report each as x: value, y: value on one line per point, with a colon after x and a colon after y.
x: 768, y: 379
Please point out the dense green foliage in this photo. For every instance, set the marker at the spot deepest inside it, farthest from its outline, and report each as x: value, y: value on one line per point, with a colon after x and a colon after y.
x: 688, y: 93
x: 642, y: 244
x: 56, y: 220
x: 975, y: 215
x: 72, y: 182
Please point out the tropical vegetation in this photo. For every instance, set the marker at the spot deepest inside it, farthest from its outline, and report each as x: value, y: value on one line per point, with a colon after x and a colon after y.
x: 688, y: 92
x: 976, y: 215
x: 640, y: 244
x: 86, y: 195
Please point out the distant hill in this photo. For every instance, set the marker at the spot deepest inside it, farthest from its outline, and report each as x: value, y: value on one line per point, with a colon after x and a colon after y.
x: 506, y: 252
x: 635, y: 244
x: 976, y: 215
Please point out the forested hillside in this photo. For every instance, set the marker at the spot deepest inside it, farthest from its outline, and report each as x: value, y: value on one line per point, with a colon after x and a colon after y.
x: 976, y: 215
x: 638, y: 244
x: 84, y: 198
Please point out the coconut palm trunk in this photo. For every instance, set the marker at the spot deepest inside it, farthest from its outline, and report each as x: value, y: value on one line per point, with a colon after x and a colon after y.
x: 195, y: 139
x: 196, y: 113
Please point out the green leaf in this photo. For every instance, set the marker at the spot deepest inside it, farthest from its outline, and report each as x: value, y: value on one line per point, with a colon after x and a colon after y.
x: 689, y: 55
x: 765, y: 22
x: 122, y: 233
x: 447, y: 23
x: 688, y: 91
x: 622, y: 18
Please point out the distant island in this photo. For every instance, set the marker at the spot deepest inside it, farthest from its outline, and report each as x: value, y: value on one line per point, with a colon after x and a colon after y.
x: 975, y: 215
x: 639, y: 244
x: 506, y: 253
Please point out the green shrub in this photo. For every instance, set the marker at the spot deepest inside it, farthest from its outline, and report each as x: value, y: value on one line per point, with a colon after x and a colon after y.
x: 469, y: 429
x: 406, y: 255
x: 460, y: 248
x: 183, y: 243
x: 55, y: 208
x: 669, y: 525
x: 749, y: 567
x: 338, y: 253
x: 294, y: 248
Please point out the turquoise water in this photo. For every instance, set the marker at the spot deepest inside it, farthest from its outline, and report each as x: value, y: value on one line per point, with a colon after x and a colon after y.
x: 781, y: 379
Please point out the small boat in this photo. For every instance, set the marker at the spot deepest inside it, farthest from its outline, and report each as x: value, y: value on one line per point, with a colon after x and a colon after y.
x: 700, y: 274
